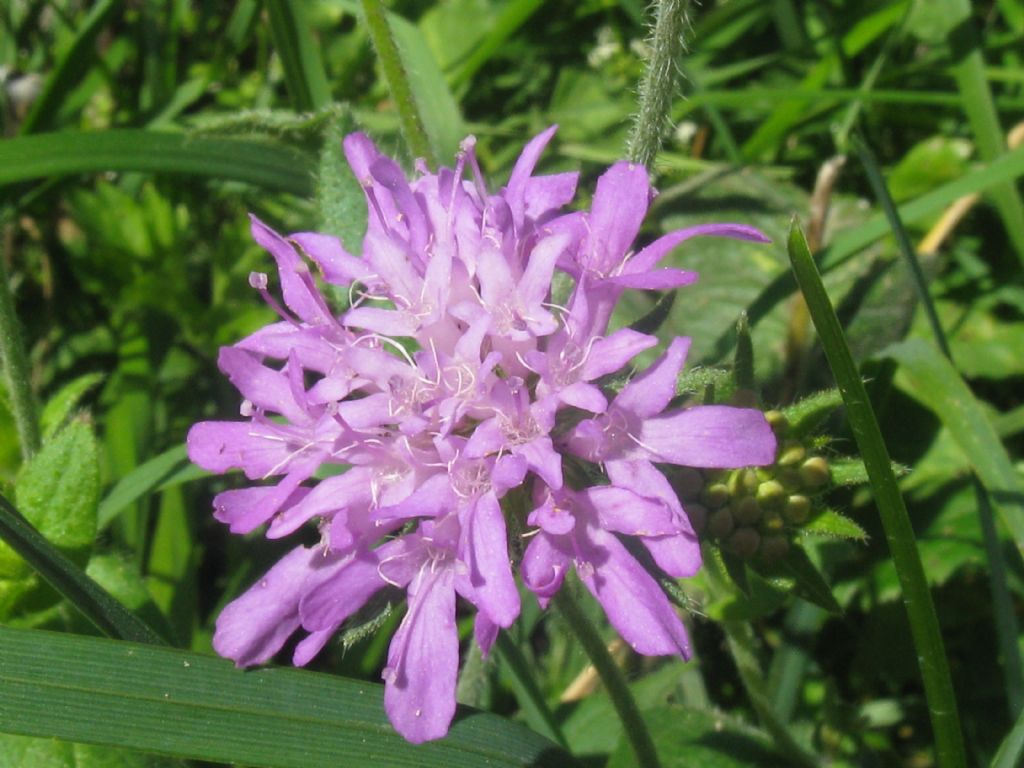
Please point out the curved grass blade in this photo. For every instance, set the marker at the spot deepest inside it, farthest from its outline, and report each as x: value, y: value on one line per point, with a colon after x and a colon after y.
x: 141, y: 480
x: 109, y: 616
x: 69, y: 69
x: 300, y: 55
x: 184, y: 704
x: 1012, y: 748
x: 899, y: 533
x: 59, y: 154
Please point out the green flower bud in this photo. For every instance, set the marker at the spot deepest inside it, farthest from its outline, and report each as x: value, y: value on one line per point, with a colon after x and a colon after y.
x: 797, y: 509
x: 790, y: 478
x: 698, y: 515
x: 746, y: 511
x: 720, y: 524
x: 791, y: 455
x: 687, y: 482
x: 744, y: 542
x: 770, y: 494
x: 715, y: 496
x: 772, y: 521
x: 778, y: 422
x: 814, y: 472
x: 774, y: 548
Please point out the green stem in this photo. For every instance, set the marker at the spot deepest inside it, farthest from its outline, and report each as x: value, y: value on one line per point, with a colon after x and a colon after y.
x: 397, y: 80
x: 612, y: 677
x: 659, y: 83
x: 1005, y: 618
x: 741, y: 644
x: 16, y: 369
x: 899, y: 533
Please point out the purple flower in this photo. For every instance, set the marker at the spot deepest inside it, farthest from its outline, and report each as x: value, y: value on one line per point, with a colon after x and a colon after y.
x: 449, y: 393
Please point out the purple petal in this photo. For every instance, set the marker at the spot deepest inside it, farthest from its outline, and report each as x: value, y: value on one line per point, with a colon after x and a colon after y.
x: 585, y: 396
x: 678, y: 555
x: 342, y: 589
x: 543, y: 568
x: 626, y: 512
x: 635, y: 604
x: 655, y: 280
x: 337, y: 265
x: 254, y: 626
x: 485, y: 632
x: 649, y: 393
x: 552, y: 518
x: 620, y: 204
x: 487, y: 558
x: 647, y: 258
x: 543, y: 459
x: 423, y: 661
x: 300, y: 293
x: 710, y: 436
x: 218, y: 446
x: 611, y: 353
x: 547, y: 194
x: 344, y: 491
x: 264, y: 387
x: 245, y: 509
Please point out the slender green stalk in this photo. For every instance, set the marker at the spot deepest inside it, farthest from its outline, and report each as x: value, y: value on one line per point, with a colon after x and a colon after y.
x: 1005, y: 617
x: 614, y: 681
x: 917, y: 599
x: 397, y: 80
x: 1010, y: 751
x: 94, y: 602
x: 16, y: 369
x: 741, y: 644
x: 659, y: 83
x: 531, y: 701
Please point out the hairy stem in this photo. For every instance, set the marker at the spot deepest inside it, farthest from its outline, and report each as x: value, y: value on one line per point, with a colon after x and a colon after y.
x: 659, y: 83
x: 15, y: 366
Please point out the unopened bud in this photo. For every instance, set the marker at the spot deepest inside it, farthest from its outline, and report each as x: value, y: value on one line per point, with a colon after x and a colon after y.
x: 688, y: 482
x: 698, y: 515
x: 774, y: 548
x: 770, y: 493
x: 790, y: 478
x: 743, y: 482
x: 814, y: 472
x: 720, y: 524
x: 772, y: 521
x: 746, y: 511
x: 797, y: 509
x: 791, y: 455
x: 778, y: 422
x: 744, y: 542
x: 715, y: 496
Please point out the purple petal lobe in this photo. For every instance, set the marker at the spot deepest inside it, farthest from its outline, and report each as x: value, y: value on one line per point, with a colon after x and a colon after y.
x: 489, y: 570
x: 611, y: 353
x: 646, y: 259
x: 651, y: 391
x: 711, y: 436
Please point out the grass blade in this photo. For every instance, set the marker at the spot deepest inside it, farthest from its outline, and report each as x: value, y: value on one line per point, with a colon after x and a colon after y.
x: 899, y: 533
x: 140, y: 481
x: 69, y: 69
x: 1010, y: 751
x: 188, y: 705
x: 300, y: 55
x: 109, y: 616
x: 59, y: 154
x: 969, y: 71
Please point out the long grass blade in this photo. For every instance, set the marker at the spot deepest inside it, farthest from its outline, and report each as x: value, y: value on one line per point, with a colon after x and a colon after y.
x: 188, y: 705
x: 59, y: 154
x: 300, y: 55
x: 899, y: 533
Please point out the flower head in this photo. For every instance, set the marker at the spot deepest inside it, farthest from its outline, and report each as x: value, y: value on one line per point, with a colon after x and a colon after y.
x: 448, y: 386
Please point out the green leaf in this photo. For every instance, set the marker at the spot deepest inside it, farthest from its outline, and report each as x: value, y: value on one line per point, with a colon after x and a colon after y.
x: 340, y: 196
x: 899, y: 533
x: 797, y: 574
x: 59, y: 488
x: 201, y: 707
x: 300, y: 55
x: 140, y: 481
x: 58, y: 408
x: 932, y: 380
x: 86, y: 595
x: 58, y: 154
x: 690, y: 737
x: 831, y: 523
x: 47, y: 753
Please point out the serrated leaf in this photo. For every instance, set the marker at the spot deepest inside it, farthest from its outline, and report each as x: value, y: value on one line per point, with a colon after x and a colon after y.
x: 58, y: 490
x: 831, y: 523
x: 687, y: 737
x: 58, y: 408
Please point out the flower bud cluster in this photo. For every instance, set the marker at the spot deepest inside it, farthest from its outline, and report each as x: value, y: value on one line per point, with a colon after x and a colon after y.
x: 754, y: 512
